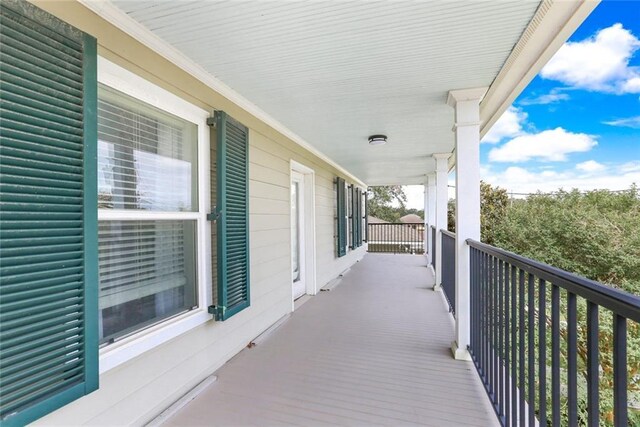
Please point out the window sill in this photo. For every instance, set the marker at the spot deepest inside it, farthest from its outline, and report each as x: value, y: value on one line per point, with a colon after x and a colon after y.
x: 122, y: 351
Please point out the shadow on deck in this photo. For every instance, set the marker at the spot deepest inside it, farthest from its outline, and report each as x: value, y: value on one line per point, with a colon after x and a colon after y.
x: 373, y: 351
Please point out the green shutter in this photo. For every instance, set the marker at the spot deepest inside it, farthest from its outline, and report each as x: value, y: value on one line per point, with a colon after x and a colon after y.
x: 358, y: 218
x: 48, y: 214
x: 341, y: 219
x: 232, y: 216
x: 366, y: 217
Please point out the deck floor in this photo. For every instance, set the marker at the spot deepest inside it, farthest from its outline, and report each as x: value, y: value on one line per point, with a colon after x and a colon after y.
x: 372, y: 351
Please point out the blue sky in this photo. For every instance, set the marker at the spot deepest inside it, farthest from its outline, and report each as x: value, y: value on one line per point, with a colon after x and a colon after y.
x: 577, y: 124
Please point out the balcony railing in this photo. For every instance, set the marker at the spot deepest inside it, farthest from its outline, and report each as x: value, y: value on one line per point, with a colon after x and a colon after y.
x: 541, y: 343
x: 449, y: 268
x: 396, y: 238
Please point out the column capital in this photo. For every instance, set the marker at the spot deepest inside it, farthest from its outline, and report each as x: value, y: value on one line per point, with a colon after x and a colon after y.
x: 471, y: 94
x: 439, y: 156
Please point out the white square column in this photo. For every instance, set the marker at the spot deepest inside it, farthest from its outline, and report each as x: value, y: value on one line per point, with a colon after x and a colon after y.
x: 425, y: 237
x: 431, y: 185
x: 466, y: 104
x: 442, y: 199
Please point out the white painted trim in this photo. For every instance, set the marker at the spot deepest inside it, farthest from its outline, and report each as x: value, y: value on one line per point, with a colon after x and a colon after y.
x: 114, y: 76
x: 126, y: 349
x: 299, y: 178
x: 552, y: 24
x: 309, y: 224
x: 128, y: 215
x: 182, y: 402
x: 110, y: 13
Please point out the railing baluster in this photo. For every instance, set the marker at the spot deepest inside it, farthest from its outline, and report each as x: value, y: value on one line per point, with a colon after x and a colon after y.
x: 500, y: 357
x: 492, y: 331
x: 542, y: 353
x: 521, y: 347
x: 485, y: 313
x: 572, y: 359
x: 593, y: 366
x: 531, y: 363
x: 514, y: 347
x: 496, y: 354
x: 507, y: 343
x: 555, y: 354
x: 620, y: 371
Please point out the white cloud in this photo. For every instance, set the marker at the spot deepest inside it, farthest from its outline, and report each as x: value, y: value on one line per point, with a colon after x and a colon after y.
x: 549, y: 145
x: 507, y: 126
x: 590, y: 166
x: 552, y: 97
x: 599, y: 63
x: 631, y: 122
x: 520, y: 180
x: 630, y: 167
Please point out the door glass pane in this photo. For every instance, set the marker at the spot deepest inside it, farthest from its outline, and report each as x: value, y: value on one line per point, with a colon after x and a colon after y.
x: 295, y: 230
x: 147, y: 273
x: 146, y: 157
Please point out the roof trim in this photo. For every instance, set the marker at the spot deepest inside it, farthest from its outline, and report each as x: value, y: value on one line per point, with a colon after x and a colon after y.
x: 110, y: 13
x: 551, y: 26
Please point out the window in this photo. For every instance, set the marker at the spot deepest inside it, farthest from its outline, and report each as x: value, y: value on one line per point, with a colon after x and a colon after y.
x: 147, y: 161
x: 153, y: 187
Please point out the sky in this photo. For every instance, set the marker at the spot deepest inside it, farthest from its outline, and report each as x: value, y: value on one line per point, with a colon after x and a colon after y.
x: 577, y: 124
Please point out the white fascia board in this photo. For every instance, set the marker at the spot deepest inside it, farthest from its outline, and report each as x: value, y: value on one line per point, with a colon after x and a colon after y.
x: 112, y: 14
x: 551, y: 26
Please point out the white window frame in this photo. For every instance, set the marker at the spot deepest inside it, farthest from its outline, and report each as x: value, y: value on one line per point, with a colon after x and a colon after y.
x: 127, y: 348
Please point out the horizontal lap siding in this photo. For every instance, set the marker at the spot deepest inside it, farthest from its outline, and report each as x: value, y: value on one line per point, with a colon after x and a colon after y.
x: 138, y: 390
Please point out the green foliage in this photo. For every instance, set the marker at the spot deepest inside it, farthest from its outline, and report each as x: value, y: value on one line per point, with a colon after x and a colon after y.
x: 595, y: 234
x: 494, y: 202
x: 389, y: 203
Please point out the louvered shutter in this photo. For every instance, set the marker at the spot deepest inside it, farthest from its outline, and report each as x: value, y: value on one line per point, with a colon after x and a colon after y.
x: 48, y: 214
x: 341, y: 219
x: 232, y: 216
x: 354, y: 225
x: 358, y: 217
x: 366, y: 217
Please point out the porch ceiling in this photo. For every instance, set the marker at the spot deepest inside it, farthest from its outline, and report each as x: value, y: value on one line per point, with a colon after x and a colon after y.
x: 336, y: 72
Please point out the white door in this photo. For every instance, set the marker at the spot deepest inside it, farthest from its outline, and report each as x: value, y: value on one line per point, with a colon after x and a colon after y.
x: 297, y: 235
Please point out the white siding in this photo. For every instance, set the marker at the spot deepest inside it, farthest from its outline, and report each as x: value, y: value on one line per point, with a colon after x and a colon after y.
x: 136, y: 391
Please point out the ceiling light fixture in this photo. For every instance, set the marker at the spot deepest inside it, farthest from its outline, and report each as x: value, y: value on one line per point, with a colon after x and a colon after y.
x: 377, y: 139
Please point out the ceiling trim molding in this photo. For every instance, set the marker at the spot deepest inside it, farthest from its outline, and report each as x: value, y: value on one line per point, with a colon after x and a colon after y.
x: 551, y: 26
x: 112, y: 14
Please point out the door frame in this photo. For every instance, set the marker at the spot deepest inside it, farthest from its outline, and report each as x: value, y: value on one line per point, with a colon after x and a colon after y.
x: 309, y: 225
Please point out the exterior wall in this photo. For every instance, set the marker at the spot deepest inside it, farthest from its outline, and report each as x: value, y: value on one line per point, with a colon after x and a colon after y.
x: 136, y: 391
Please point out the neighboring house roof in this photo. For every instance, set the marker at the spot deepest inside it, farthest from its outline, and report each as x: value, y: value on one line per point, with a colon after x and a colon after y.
x: 411, y: 218
x: 374, y: 220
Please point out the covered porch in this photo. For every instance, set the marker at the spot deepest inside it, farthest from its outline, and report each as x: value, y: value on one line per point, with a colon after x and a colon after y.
x: 374, y: 350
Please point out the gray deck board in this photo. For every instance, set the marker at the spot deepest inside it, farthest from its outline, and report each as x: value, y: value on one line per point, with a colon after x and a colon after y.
x: 372, y: 351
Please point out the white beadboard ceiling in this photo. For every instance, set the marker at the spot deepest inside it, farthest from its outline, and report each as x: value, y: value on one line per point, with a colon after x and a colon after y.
x: 335, y: 72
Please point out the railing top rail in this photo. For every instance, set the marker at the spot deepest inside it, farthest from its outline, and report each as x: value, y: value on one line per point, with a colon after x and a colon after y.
x: 616, y: 300
x: 448, y: 233
x: 395, y: 223
x: 433, y: 227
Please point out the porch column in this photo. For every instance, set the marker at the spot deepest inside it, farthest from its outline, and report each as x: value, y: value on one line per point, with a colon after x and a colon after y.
x: 425, y: 236
x: 431, y: 181
x: 442, y: 198
x: 466, y: 104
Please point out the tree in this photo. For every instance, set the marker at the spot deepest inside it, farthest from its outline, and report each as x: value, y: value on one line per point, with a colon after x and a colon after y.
x: 381, y: 201
x: 494, y: 202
